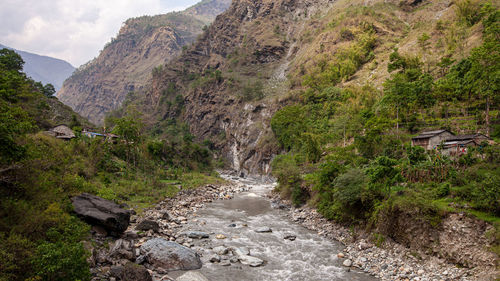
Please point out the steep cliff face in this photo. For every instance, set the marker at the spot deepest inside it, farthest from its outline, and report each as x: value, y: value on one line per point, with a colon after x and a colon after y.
x: 251, y: 61
x: 126, y: 63
x: 232, y: 78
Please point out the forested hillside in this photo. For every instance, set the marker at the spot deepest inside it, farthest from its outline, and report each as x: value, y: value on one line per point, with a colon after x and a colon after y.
x: 41, y: 239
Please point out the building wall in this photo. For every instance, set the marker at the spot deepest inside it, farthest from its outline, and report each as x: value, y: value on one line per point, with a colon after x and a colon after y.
x: 437, y: 140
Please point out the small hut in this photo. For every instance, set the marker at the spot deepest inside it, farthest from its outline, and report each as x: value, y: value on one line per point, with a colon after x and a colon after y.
x: 62, y: 132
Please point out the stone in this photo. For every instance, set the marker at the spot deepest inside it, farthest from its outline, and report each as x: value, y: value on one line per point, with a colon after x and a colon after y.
x: 192, y: 276
x: 146, y: 225
x: 225, y: 263
x: 165, y: 216
x: 196, y: 234
x: 420, y: 272
x: 220, y: 250
x: 220, y: 236
x: 340, y: 255
x: 347, y: 263
x: 214, y: 258
x: 170, y: 255
x: 232, y: 225
x: 263, y: 230
x: 241, y: 251
x: 102, y: 212
x: 131, y: 272
x: 251, y: 261
x: 290, y: 237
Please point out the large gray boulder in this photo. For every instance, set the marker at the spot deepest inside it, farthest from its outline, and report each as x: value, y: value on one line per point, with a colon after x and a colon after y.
x: 102, y: 212
x: 170, y: 255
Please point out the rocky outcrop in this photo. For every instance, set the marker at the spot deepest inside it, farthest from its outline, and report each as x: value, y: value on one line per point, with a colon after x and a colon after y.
x: 125, y: 64
x: 101, y: 212
x: 169, y: 255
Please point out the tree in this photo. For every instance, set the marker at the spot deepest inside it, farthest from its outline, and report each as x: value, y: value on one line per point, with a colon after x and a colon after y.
x: 10, y: 60
x: 49, y: 90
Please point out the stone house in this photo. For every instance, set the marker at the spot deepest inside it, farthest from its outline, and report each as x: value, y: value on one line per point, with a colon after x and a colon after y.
x: 432, y: 139
x: 62, y: 132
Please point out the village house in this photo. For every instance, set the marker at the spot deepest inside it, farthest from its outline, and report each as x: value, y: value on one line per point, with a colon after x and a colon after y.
x: 62, y: 132
x: 432, y: 139
x: 458, y: 145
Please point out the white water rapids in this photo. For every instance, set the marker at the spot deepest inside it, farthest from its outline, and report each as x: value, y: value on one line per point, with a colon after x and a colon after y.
x: 309, y: 257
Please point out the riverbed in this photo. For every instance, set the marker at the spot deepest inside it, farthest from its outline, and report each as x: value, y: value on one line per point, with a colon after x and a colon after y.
x: 304, y: 255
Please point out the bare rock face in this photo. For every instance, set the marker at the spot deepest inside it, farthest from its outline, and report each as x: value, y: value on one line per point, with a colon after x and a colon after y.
x: 126, y: 63
x: 101, y: 212
x: 169, y: 255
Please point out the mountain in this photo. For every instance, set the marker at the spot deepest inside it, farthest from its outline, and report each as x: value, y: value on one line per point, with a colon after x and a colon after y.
x: 327, y: 95
x: 125, y: 64
x: 45, y: 69
x: 254, y: 59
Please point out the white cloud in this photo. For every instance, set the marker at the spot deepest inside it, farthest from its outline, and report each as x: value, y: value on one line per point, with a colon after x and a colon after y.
x: 73, y: 30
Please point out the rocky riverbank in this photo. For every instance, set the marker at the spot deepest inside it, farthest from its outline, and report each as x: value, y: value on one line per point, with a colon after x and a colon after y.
x: 164, y: 239
x: 153, y: 243
x: 389, y: 260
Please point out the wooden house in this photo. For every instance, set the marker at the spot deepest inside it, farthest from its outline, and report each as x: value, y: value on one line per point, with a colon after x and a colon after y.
x: 432, y: 139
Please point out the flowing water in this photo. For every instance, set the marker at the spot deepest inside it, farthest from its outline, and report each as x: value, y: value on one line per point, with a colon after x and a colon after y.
x: 309, y: 257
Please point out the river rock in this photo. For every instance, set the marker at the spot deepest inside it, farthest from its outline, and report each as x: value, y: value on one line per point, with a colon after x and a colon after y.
x: 347, y: 263
x: 340, y: 255
x: 263, y: 230
x: 290, y: 237
x: 192, y: 276
x: 241, y: 251
x: 214, y: 258
x: 146, y: 225
x: 220, y: 250
x: 99, y: 211
x: 170, y: 255
x: 131, y: 272
x: 251, y: 261
x: 197, y: 234
x: 220, y: 236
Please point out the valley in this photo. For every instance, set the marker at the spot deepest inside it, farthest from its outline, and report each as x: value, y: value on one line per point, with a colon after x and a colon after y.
x: 262, y: 140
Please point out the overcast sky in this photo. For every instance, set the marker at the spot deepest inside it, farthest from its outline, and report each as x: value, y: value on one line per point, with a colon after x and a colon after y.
x: 72, y: 30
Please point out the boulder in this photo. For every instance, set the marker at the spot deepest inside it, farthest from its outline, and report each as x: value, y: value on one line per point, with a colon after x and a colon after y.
x: 146, y: 225
x: 131, y: 272
x: 191, y: 276
x: 102, y: 212
x: 170, y: 255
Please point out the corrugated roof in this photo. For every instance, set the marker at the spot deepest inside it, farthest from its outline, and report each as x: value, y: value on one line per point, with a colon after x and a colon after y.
x: 430, y: 134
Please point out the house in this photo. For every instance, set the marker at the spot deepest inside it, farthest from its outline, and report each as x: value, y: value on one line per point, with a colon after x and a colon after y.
x: 432, y: 139
x: 459, y: 145
x: 62, y: 132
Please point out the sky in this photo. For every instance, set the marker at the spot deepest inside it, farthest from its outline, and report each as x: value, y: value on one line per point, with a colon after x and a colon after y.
x: 72, y: 30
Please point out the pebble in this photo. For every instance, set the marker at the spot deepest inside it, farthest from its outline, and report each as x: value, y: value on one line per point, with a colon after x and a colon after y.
x: 347, y: 263
x: 220, y: 236
x: 340, y: 255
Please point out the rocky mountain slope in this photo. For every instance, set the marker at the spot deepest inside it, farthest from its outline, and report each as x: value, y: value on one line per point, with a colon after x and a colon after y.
x: 45, y: 69
x: 125, y: 64
x: 252, y: 60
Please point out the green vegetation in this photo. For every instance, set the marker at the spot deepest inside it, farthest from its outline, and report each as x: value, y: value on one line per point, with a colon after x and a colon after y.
x: 349, y: 149
x: 41, y: 239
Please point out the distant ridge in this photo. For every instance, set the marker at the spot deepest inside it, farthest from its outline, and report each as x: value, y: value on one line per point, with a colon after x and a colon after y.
x: 45, y: 69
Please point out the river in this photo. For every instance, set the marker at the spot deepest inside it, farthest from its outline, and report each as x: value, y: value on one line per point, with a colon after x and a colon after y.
x: 308, y: 257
